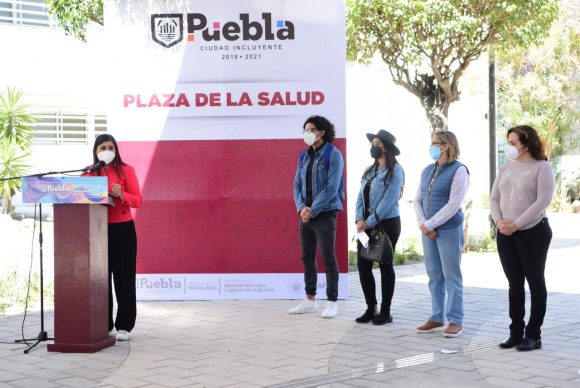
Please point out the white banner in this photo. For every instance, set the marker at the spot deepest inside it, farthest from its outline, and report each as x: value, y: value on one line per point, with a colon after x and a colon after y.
x: 250, y: 66
x: 230, y: 286
x: 207, y: 101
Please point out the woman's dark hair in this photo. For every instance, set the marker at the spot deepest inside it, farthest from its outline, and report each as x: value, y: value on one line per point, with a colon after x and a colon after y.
x: 530, y: 139
x: 390, y: 161
x: 117, y: 162
x: 322, y: 124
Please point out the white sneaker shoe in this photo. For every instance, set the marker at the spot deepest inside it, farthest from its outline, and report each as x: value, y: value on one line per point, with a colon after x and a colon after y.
x: 112, y: 332
x: 306, y: 306
x: 330, y: 311
x: 123, y: 335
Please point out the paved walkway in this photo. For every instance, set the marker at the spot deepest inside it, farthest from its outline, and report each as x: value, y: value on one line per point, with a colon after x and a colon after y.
x: 257, y: 344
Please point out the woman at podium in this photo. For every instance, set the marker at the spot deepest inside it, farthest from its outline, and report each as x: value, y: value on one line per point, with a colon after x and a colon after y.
x: 125, y: 193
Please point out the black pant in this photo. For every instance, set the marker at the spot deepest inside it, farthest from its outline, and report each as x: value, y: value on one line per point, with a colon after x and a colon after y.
x: 123, y: 268
x: 365, y: 268
x: 523, y: 257
x: 320, y: 232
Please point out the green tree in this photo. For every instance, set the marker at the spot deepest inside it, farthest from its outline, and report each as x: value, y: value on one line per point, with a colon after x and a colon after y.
x: 15, y: 142
x: 74, y: 15
x: 539, y: 86
x: 427, y: 45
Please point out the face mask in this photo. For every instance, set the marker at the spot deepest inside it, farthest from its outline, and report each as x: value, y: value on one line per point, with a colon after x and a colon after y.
x: 511, y: 152
x: 106, y: 156
x: 376, y: 152
x: 309, y: 138
x: 434, y: 152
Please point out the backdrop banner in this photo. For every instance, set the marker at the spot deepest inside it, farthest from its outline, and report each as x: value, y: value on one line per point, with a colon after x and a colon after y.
x: 208, y: 99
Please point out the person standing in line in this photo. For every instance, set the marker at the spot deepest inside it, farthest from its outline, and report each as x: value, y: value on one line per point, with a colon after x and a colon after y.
x: 438, y: 207
x: 520, y: 195
x: 124, y: 189
x: 317, y: 197
x: 380, y: 190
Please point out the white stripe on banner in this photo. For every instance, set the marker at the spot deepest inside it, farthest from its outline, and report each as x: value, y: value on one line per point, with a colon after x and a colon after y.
x: 231, y: 286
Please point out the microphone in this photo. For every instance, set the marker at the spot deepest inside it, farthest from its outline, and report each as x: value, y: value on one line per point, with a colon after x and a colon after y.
x: 95, y: 166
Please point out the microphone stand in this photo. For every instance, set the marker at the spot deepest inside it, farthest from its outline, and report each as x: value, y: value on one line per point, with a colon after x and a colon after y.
x: 42, y: 335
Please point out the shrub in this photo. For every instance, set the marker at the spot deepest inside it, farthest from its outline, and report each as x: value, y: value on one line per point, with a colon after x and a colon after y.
x: 573, y: 190
x: 481, y: 243
x: 408, y: 253
x: 13, y: 290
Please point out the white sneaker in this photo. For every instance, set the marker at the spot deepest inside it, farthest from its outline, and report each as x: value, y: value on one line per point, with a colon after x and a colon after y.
x: 306, y: 306
x: 112, y: 332
x: 330, y: 311
x: 123, y: 335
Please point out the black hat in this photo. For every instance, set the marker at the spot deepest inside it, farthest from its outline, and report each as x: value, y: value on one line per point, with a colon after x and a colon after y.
x: 387, y: 138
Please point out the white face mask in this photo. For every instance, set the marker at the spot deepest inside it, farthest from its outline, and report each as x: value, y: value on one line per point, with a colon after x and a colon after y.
x: 309, y: 138
x: 511, y: 152
x: 106, y: 156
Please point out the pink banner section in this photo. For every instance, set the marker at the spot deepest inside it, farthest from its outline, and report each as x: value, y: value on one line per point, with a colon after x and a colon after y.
x: 221, y: 206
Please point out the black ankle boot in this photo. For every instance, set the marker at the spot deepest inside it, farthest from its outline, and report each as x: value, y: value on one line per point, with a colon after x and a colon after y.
x: 383, y: 317
x: 369, y: 314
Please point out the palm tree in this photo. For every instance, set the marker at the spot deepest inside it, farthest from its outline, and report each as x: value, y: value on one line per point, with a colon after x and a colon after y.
x: 12, y: 163
x: 15, y: 142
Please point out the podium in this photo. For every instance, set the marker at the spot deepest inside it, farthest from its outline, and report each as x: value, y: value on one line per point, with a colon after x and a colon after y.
x: 81, y: 301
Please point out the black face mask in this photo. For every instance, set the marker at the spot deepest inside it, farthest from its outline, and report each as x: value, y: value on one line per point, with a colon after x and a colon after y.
x: 376, y: 152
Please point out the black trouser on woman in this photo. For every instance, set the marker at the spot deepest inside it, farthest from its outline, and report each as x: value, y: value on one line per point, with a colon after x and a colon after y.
x: 123, y: 268
x: 320, y: 232
x: 365, y: 268
x: 523, y: 257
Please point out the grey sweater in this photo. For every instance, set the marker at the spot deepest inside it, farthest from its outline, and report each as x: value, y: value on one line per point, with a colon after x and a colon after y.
x: 521, y: 192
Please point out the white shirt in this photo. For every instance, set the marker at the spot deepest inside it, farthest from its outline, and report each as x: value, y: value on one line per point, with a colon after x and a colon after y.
x: 459, y: 187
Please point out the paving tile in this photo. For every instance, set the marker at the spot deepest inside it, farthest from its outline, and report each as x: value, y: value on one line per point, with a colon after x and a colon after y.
x: 75, y: 382
x: 166, y: 381
x: 498, y: 372
x: 508, y: 383
x: 121, y: 381
x: 6, y: 376
x: 211, y: 381
x: 548, y: 382
x: 199, y: 347
x: 544, y: 372
x: 33, y: 383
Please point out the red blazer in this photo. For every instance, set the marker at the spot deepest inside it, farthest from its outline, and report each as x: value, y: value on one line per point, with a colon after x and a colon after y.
x: 132, y: 197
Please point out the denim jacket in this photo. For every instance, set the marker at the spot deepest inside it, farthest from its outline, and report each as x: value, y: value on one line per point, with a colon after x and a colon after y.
x: 325, y: 182
x: 383, y: 200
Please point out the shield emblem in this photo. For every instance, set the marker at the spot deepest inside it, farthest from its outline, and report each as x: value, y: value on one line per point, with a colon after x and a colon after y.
x: 167, y: 29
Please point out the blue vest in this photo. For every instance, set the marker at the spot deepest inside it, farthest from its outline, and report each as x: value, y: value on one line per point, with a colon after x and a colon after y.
x: 437, y: 195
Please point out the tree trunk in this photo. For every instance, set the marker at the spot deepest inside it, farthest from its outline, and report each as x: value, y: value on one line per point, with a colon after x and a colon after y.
x: 6, y: 205
x: 437, y: 116
x: 433, y: 100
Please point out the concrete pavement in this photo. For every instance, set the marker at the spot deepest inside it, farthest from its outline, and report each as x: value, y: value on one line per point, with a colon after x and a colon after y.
x: 258, y: 344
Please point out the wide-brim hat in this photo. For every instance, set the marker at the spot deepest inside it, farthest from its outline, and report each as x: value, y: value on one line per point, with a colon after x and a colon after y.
x: 387, y: 138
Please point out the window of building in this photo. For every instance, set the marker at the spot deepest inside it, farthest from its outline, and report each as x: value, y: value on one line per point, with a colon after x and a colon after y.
x: 68, y: 128
x: 26, y: 13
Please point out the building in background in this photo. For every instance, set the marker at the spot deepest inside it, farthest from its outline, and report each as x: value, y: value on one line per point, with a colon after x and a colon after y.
x: 61, y: 81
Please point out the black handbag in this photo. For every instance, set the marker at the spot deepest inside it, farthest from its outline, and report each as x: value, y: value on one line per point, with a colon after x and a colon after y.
x: 380, y: 248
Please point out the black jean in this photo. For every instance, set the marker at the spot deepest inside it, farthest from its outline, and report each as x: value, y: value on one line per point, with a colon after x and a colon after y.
x: 523, y: 257
x: 320, y: 232
x: 365, y: 268
x: 123, y: 268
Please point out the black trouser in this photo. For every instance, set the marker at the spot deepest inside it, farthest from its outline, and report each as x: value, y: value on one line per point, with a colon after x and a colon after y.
x: 365, y: 268
x: 523, y: 257
x: 320, y: 232
x: 123, y: 267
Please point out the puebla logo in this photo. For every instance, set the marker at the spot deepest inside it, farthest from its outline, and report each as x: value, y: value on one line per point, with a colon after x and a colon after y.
x: 167, y: 29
